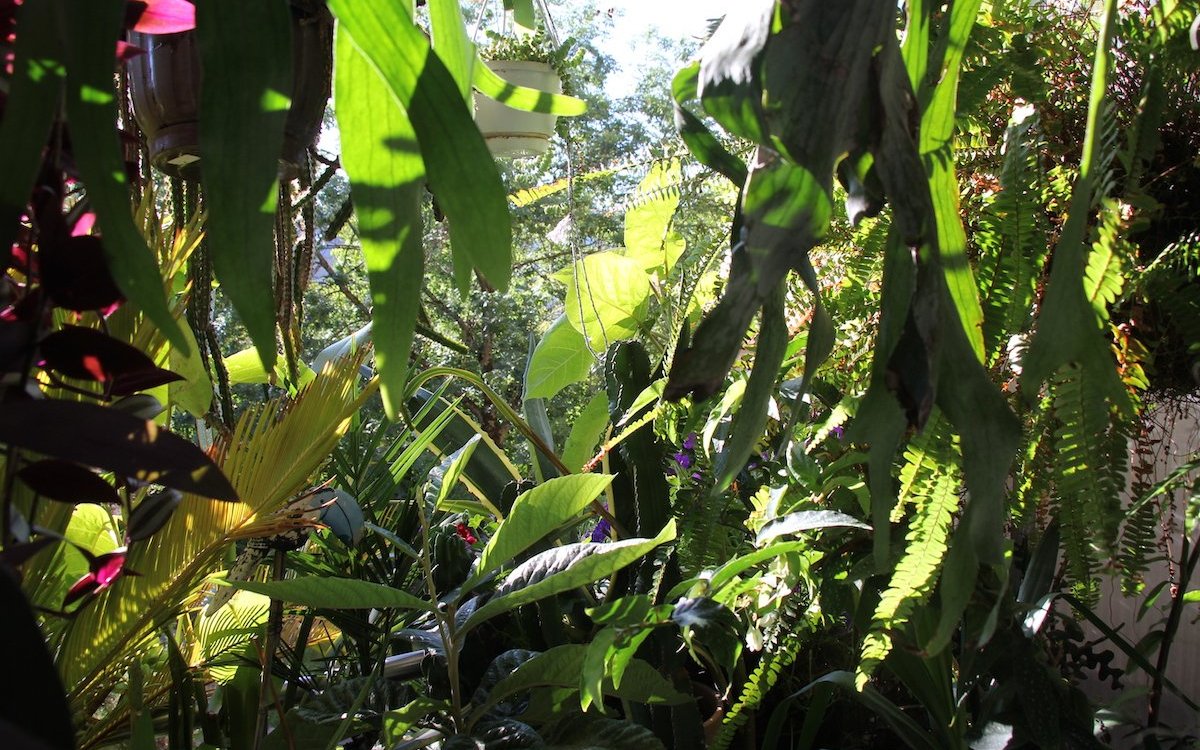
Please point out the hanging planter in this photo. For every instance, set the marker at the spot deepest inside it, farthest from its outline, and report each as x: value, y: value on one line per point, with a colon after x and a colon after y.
x: 164, y: 86
x: 514, y: 133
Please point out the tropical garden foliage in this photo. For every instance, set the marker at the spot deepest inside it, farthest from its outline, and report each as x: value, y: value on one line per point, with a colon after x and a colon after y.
x: 813, y: 396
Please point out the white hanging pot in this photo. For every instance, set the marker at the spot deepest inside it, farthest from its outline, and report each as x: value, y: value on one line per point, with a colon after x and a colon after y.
x: 512, y: 132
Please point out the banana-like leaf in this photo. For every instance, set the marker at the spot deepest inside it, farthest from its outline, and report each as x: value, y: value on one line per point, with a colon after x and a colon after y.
x: 241, y: 133
x: 268, y: 459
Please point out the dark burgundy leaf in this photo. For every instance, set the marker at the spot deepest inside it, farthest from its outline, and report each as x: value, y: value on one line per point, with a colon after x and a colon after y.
x: 34, y: 706
x: 88, y: 354
x: 160, y: 16
x: 17, y: 554
x: 112, y: 440
x: 16, y: 343
x: 76, y: 275
x: 103, y: 571
x: 67, y: 482
x: 151, y: 514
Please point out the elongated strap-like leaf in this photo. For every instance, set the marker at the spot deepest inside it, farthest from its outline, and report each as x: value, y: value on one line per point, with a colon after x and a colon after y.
x: 35, y: 89
x: 452, y: 44
x: 383, y: 160
x: 334, y: 593
x: 699, y: 139
x: 751, y: 421
x: 491, y: 85
x: 246, y: 57
x: 90, y: 32
x: 461, y: 171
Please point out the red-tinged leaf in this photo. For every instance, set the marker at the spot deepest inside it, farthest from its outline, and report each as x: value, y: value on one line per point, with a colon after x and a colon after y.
x: 103, y: 571
x: 127, y: 51
x: 88, y: 354
x: 114, y: 441
x: 67, y: 482
x: 75, y: 273
x: 160, y: 16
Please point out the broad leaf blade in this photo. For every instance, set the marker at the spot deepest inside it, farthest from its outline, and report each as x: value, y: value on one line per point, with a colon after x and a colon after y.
x: 538, y: 512
x: 461, y: 172
x: 333, y: 593
x: 241, y: 134
x: 564, y: 568
x: 112, y: 440
x: 382, y: 158
x: 90, y: 36
x: 561, y: 357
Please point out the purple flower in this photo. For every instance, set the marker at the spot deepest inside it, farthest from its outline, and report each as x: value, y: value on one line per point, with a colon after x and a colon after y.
x: 689, y: 442
x: 602, y: 531
x: 837, y: 432
x: 696, y: 476
x: 684, y: 459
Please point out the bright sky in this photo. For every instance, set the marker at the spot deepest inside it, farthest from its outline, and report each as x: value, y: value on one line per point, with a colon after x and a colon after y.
x: 633, y: 18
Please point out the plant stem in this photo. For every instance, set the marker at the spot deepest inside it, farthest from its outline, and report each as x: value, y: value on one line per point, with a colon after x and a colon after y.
x: 444, y: 614
x: 1188, y: 558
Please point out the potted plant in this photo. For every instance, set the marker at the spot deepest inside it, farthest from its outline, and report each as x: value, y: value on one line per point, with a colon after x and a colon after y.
x: 530, y: 60
x: 164, y: 86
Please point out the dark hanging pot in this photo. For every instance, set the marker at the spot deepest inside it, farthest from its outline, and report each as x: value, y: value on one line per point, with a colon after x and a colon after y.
x: 164, y: 86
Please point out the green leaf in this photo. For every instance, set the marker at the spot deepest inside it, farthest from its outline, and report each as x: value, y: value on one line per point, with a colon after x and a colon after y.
x: 381, y: 156
x: 561, y: 667
x: 91, y: 31
x: 537, y: 513
x: 562, y: 569
x: 446, y: 474
x: 807, y: 520
x: 461, y: 171
x: 649, y: 238
x: 35, y: 89
x: 750, y: 424
x: 328, y: 592
x: 224, y: 635
x: 241, y: 136
x: 193, y: 394
x: 491, y: 85
x: 562, y: 357
x: 400, y: 720
x: 585, y: 433
x: 606, y: 293
x: 246, y: 367
x: 591, y: 677
x: 700, y: 141
x: 592, y: 732
x: 452, y: 44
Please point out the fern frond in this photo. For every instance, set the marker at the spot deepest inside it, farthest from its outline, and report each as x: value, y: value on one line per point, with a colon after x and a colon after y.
x: 1012, y: 237
x: 761, y: 680
x: 934, y: 489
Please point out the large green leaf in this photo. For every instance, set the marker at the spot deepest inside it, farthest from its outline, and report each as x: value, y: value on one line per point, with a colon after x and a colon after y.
x: 90, y: 32
x: 241, y: 134
x: 585, y: 432
x: 561, y: 667
x: 461, y: 172
x: 452, y: 44
x: 649, y: 236
x: 333, y: 593
x: 606, y: 294
x: 561, y: 357
x: 591, y: 732
x: 382, y: 158
x: 35, y: 89
x: 562, y: 569
x: 537, y: 513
